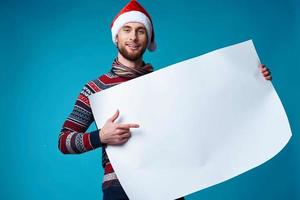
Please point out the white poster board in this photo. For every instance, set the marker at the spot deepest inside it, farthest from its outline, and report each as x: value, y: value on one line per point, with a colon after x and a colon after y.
x: 202, y: 121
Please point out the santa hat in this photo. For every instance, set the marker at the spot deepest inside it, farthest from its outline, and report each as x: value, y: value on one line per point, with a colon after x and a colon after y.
x: 134, y: 12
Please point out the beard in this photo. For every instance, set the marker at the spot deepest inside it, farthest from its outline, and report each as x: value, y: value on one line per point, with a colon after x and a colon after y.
x: 130, y: 56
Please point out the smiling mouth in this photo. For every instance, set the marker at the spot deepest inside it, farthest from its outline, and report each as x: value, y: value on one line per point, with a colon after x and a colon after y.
x: 133, y: 47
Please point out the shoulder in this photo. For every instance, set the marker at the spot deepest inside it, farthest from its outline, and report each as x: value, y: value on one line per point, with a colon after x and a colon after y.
x: 101, y: 83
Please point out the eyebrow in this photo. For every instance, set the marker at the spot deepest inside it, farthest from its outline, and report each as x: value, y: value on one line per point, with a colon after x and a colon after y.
x: 139, y: 27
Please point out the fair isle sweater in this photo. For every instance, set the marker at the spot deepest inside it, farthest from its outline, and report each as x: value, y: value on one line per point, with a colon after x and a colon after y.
x: 74, y: 139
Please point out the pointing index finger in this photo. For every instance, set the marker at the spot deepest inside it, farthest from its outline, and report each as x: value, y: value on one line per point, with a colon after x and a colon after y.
x: 127, y: 126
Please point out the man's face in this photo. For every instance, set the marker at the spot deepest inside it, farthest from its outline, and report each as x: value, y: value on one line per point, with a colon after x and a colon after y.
x: 132, y: 40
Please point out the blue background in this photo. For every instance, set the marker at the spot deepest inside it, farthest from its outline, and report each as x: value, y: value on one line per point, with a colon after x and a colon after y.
x: 50, y: 49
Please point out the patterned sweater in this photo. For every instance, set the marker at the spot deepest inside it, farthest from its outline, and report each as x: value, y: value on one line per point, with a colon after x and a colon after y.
x: 74, y: 139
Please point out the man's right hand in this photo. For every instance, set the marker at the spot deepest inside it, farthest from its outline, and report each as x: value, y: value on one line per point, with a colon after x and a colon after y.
x: 115, y: 134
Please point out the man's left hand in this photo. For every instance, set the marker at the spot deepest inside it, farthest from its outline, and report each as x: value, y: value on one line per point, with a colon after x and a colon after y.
x: 266, y: 72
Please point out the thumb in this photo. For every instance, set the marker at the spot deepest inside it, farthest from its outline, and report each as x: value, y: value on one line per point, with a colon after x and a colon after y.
x: 115, y: 116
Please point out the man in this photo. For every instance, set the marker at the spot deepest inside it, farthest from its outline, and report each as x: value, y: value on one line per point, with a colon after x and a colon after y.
x: 132, y: 33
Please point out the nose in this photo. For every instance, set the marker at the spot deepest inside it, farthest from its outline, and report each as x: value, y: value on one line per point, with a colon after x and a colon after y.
x: 133, y: 36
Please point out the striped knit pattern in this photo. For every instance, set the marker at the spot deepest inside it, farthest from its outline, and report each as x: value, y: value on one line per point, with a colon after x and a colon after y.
x: 74, y: 139
x: 125, y: 71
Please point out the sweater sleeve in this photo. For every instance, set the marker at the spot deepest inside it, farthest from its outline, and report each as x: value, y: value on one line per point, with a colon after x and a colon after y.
x: 73, y: 138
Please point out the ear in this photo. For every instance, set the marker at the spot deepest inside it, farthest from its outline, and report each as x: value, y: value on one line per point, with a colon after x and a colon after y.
x: 116, y: 38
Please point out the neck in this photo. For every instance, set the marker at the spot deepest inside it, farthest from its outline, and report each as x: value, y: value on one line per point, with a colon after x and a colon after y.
x: 129, y: 63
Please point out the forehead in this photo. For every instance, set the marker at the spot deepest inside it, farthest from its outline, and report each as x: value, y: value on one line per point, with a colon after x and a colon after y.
x: 134, y: 25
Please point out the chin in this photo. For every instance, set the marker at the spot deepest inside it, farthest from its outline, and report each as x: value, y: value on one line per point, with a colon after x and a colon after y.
x: 131, y: 55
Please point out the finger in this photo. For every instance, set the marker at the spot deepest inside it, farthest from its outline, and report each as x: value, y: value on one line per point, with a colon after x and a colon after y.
x: 122, y: 136
x: 126, y: 135
x: 261, y: 66
x: 124, y: 129
x: 121, y: 131
x: 268, y: 78
x: 266, y: 73
x: 264, y: 69
x: 118, y: 137
x: 127, y: 126
x: 115, y: 116
x: 120, y: 141
x: 123, y: 141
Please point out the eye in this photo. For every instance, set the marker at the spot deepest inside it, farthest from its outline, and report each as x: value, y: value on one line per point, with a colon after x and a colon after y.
x: 141, y: 32
x: 126, y: 30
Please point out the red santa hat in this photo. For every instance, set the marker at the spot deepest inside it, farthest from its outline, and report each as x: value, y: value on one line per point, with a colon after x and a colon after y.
x: 134, y: 12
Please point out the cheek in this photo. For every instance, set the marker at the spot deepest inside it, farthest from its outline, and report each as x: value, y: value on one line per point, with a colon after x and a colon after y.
x: 121, y: 38
x: 121, y: 42
x: 143, y: 39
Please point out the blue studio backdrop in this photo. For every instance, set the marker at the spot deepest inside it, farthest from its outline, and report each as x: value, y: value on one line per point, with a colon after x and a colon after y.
x: 50, y: 49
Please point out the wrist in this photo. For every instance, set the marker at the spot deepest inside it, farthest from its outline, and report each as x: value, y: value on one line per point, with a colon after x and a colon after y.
x: 101, y: 133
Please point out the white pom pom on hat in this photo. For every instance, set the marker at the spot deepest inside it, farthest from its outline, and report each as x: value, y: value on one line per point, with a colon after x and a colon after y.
x: 134, y: 12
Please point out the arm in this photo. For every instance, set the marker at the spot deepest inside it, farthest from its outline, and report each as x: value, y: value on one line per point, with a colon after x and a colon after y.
x: 73, y: 138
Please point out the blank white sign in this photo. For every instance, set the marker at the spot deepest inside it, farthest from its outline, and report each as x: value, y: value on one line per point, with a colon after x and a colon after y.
x: 202, y: 121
